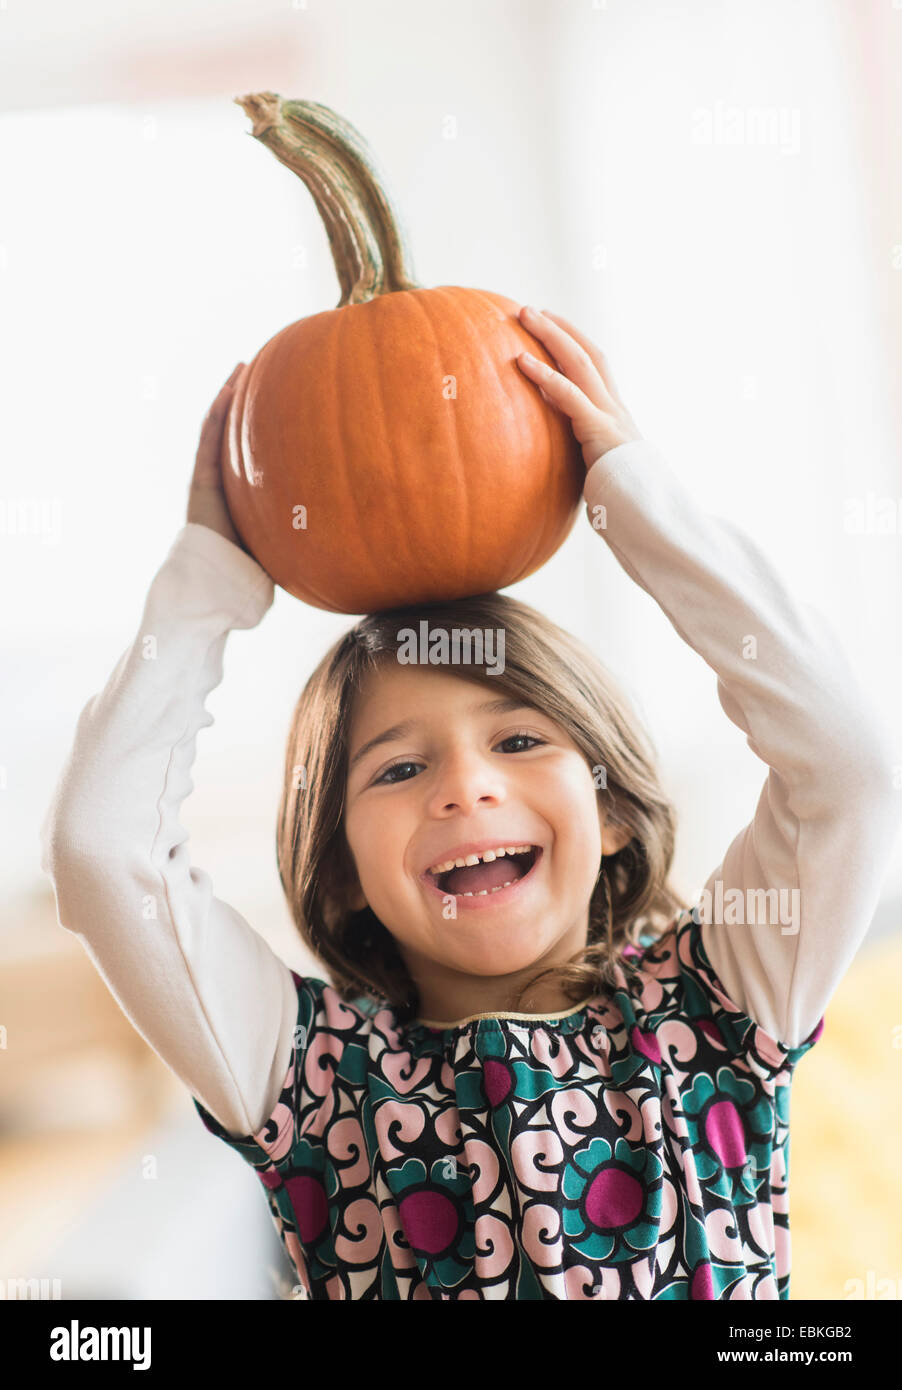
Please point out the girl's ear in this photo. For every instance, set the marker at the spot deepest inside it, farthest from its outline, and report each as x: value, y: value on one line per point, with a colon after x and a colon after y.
x: 613, y: 836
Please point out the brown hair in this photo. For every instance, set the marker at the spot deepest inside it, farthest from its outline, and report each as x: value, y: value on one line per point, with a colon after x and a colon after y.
x: 548, y: 669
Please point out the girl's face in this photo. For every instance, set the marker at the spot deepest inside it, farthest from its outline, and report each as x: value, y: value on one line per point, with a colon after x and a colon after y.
x: 435, y: 772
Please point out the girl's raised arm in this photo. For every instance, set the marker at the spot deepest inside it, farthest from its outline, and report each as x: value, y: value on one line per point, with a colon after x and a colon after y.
x: 828, y: 815
x: 200, y: 986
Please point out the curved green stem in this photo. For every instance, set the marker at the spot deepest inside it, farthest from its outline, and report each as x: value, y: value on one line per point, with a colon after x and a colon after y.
x: 365, y: 235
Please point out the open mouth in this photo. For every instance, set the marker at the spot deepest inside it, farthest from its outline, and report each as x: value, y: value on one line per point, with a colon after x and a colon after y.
x: 492, y: 872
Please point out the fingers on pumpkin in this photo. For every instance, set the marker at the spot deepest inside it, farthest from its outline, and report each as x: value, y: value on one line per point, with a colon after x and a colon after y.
x: 542, y: 370
x: 592, y: 351
x: 212, y: 431
x: 574, y: 361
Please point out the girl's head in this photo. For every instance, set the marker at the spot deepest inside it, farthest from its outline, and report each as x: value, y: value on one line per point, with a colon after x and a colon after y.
x: 393, y: 769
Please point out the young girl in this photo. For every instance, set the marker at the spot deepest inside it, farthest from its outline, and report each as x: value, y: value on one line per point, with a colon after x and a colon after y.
x: 534, y: 1072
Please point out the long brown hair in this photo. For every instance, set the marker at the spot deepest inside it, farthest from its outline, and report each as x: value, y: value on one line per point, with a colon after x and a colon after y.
x: 546, y: 668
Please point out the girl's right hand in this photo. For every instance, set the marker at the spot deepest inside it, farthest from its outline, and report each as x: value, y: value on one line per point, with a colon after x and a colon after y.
x: 206, y: 496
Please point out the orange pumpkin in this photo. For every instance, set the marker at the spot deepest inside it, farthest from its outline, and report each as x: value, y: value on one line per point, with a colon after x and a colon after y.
x: 390, y: 450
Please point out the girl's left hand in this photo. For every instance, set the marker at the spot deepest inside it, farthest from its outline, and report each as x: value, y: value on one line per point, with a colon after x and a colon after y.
x: 207, y: 504
x: 583, y: 387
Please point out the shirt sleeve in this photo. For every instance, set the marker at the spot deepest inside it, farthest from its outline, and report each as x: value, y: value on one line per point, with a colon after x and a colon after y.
x: 202, y: 988
x: 329, y: 1038
x: 827, y: 816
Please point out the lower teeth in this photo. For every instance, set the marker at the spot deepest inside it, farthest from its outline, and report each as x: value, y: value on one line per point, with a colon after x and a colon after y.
x: 483, y: 891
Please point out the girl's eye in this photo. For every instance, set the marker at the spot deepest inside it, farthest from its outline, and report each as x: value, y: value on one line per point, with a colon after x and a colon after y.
x: 388, y: 778
x: 531, y: 737
x: 394, y: 767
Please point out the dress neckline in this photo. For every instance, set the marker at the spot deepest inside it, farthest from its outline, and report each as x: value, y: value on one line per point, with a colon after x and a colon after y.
x: 495, y: 1013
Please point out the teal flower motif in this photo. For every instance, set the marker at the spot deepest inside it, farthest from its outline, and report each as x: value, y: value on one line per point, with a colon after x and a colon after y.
x: 614, y: 1200
x: 435, y: 1207
x: 731, y: 1134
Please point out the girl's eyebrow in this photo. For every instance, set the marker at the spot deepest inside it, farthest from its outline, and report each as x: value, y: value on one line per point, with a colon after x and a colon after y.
x: 503, y: 705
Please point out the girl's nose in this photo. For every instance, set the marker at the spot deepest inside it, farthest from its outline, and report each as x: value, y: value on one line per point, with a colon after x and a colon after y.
x: 464, y: 783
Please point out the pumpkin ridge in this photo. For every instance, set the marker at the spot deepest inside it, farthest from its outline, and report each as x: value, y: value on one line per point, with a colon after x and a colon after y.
x: 538, y: 543
x: 460, y: 480
x: 378, y: 559
x: 362, y: 530
x: 541, y: 538
x: 530, y: 547
x: 519, y: 416
x: 456, y: 299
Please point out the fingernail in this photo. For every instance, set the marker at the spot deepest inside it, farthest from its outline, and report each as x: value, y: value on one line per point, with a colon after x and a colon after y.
x: 528, y: 357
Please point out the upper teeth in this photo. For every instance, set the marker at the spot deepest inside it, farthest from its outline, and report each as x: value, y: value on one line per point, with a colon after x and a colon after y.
x: 487, y: 857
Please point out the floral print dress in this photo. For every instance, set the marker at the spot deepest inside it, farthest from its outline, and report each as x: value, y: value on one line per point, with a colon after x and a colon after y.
x: 633, y: 1147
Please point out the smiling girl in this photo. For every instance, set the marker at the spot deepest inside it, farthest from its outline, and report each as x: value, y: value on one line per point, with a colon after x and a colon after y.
x: 533, y: 1071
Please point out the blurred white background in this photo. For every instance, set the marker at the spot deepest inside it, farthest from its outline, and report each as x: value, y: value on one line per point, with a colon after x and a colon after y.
x: 708, y: 189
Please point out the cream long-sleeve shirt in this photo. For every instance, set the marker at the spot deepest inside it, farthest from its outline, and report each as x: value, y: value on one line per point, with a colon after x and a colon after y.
x: 207, y: 992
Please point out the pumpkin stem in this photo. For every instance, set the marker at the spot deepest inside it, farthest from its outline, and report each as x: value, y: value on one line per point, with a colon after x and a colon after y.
x: 365, y: 236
